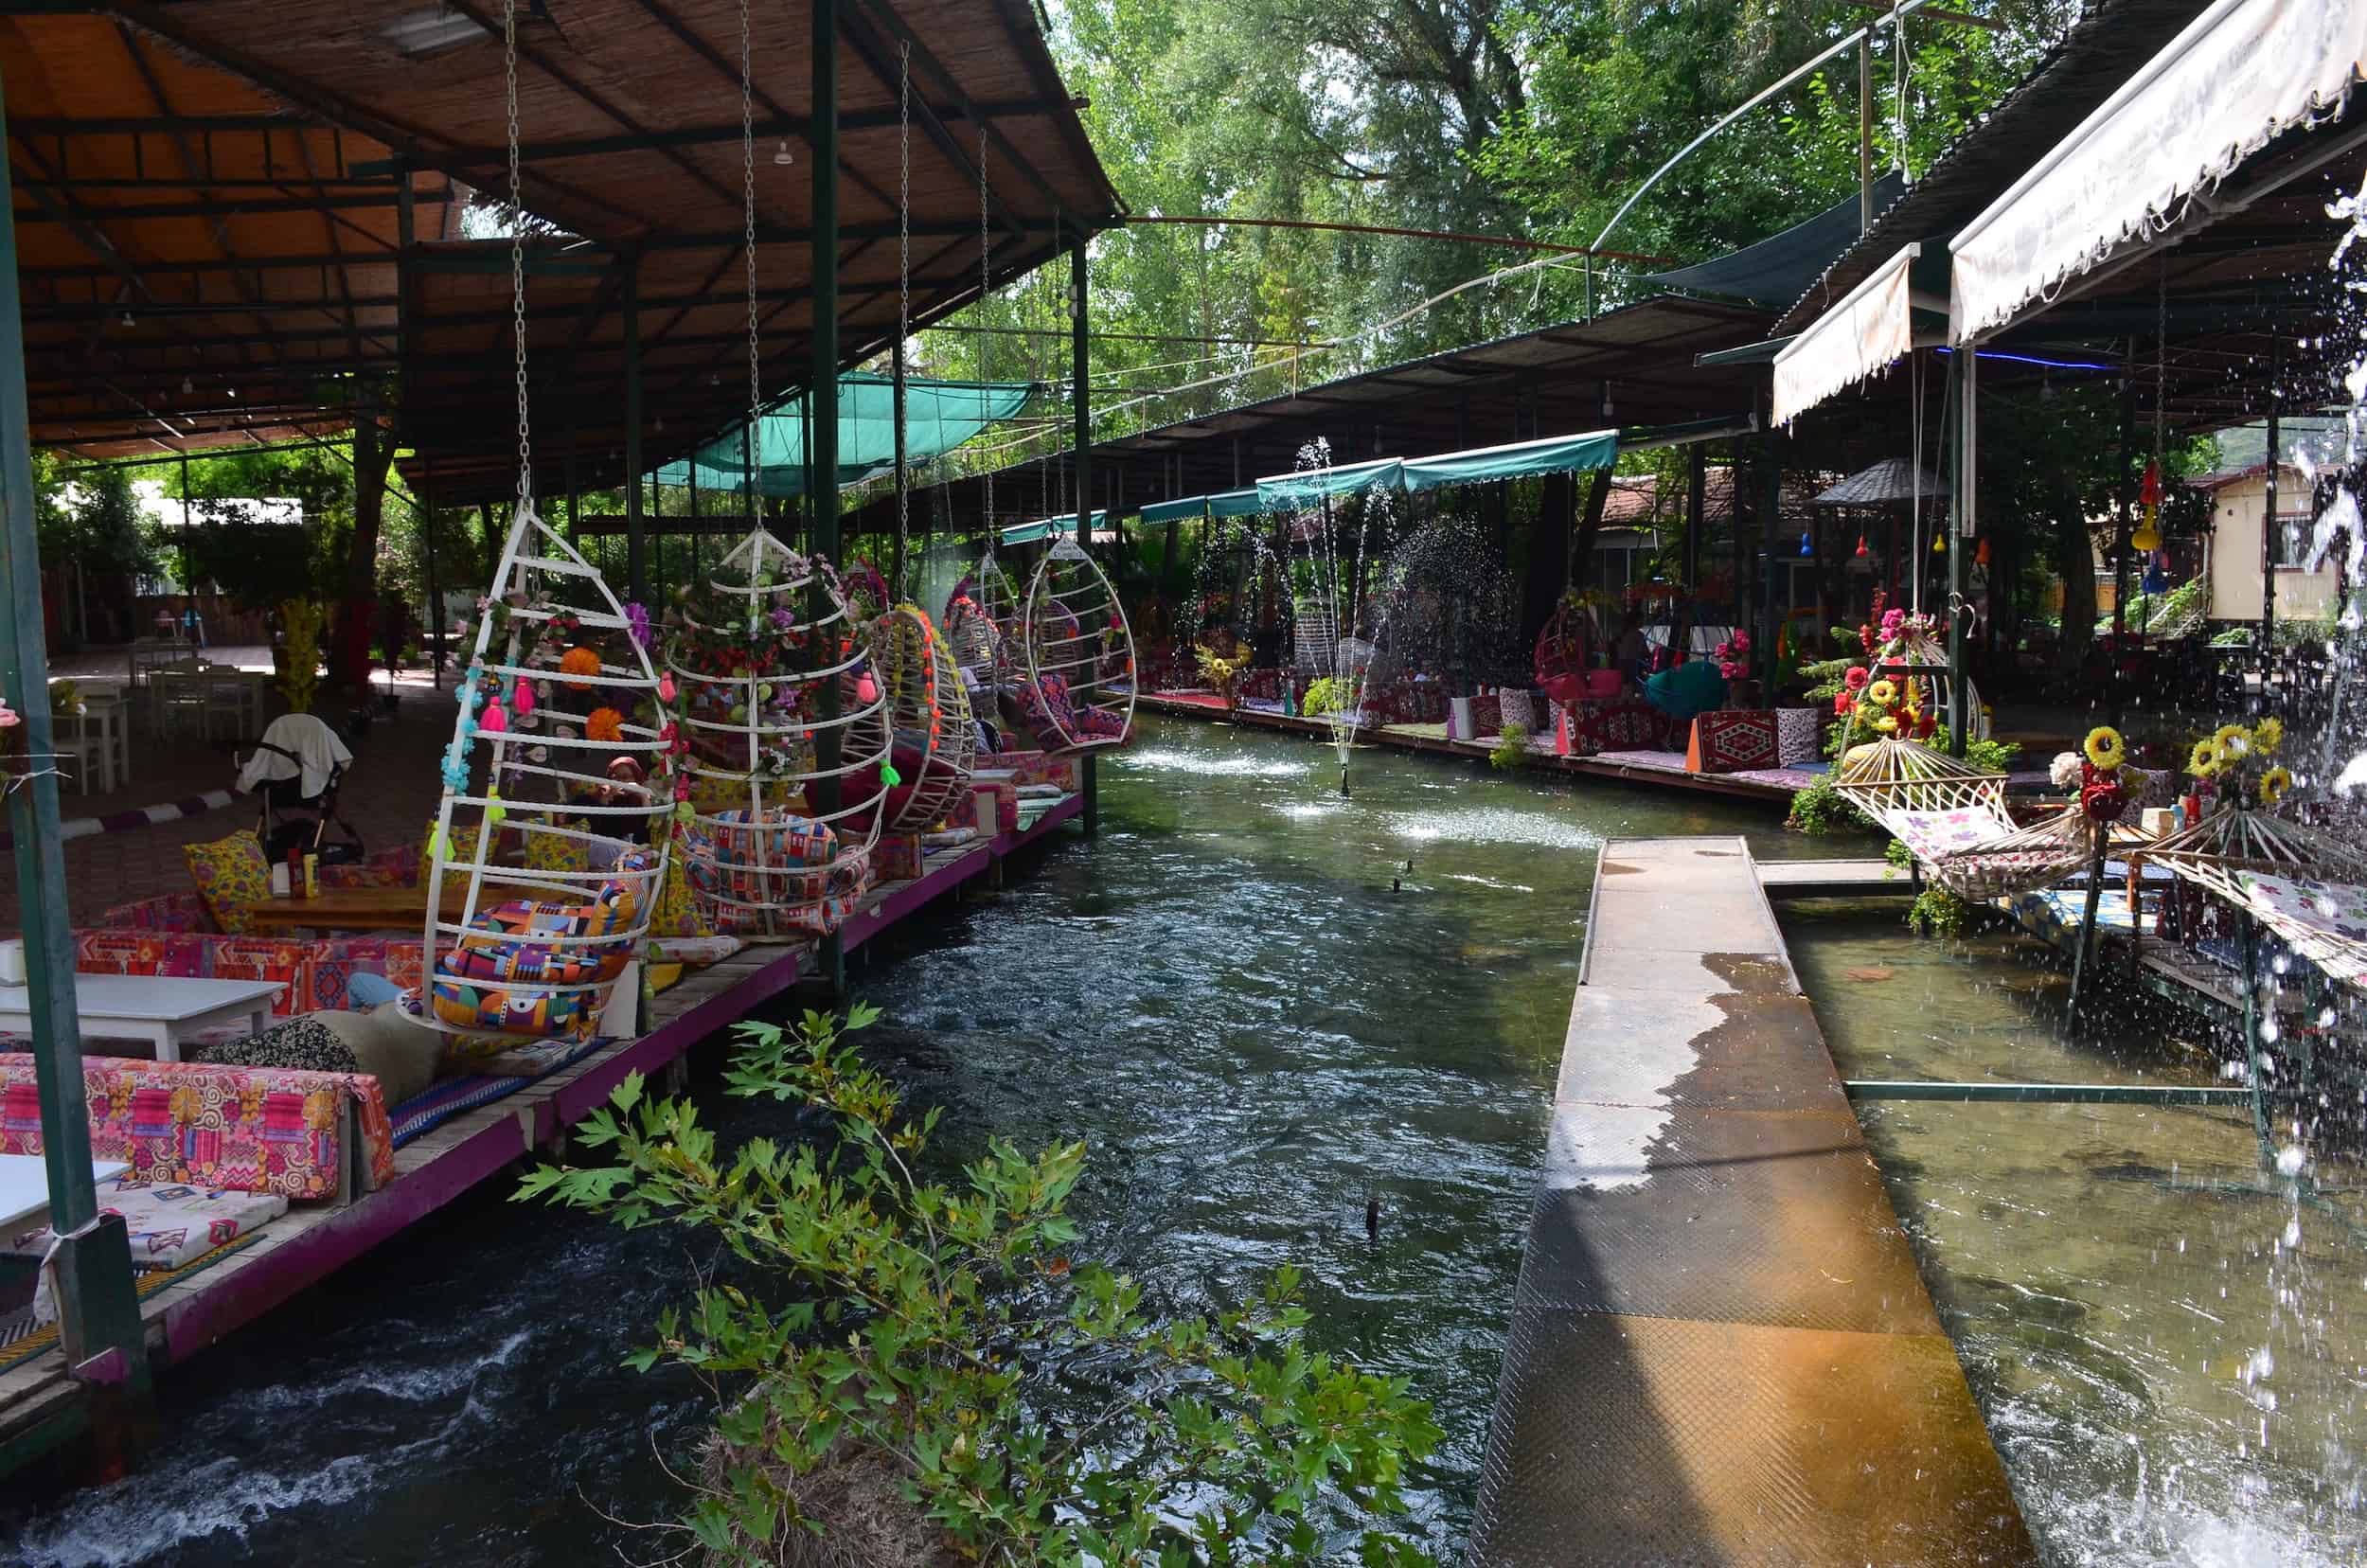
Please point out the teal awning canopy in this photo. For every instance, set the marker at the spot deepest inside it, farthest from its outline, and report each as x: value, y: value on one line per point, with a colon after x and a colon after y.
x: 1554, y: 454
x: 1239, y: 503
x: 1045, y: 528
x: 1291, y: 492
x: 938, y: 417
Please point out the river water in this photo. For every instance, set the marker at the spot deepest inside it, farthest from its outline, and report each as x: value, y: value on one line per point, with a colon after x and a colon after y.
x: 1265, y: 1007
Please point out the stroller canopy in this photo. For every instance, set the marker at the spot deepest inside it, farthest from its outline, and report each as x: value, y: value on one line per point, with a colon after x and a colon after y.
x: 297, y: 743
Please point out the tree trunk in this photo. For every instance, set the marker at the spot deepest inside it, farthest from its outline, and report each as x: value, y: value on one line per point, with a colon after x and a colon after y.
x: 2074, y: 559
x: 1590, y: 525
x: 373, y: 450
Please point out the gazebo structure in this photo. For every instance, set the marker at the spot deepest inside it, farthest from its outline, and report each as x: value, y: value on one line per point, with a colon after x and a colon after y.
x: 239, y: 225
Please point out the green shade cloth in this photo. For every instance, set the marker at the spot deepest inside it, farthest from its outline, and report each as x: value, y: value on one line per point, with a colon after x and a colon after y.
x: 1291, y: 492
x: 1554, y: 454
x: 938, y: 417
x: 1693, y: 687
x: 1045, y: 528
x: 1239, y: 503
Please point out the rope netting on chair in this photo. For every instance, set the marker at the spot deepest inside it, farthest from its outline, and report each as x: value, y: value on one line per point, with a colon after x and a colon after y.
x: 1079, y: 686
x: 781, y: 729
x: 981, y: 613
x: 1561, y: 652
x: 2040, y: 855
x: 934, y: 737
x: 537, y: 903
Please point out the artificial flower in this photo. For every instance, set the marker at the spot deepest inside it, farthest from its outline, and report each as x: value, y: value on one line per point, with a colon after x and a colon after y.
x: 9, y: 717
x: 2268, y: 735
x: 2234, y: 742
x: 2106, y: 749
x: 1840, y: 703
x: 1857, y: 677
x: 2204, y: 761
x: 2063, y: 772
x: 2273, y: 784
x: 1882, y: 693
x: 637, y: 624
x: 580, y: 661
x: 1886, y: 724
x: 604, y: 723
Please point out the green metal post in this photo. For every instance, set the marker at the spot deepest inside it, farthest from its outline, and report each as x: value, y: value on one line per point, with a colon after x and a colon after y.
x: 1963, y: 521
x: 2247, y: 935
x: 435, y: 589
x: 636, y: 558
x: 1080, y: 353
x: 98, y: 1309
x: 822, y: 399
x: 2083, y: 957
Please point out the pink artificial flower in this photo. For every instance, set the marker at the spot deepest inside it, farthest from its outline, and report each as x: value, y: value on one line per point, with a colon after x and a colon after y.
x: 1742, y: 642
x: 1857, y: 677
x: 9, y: 717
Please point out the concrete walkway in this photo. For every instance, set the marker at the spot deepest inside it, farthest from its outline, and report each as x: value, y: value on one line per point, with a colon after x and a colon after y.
x: 1720, y: 1351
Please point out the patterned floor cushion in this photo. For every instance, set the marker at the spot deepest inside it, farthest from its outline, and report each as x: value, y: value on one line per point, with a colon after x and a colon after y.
x: 1728, y: 740
x: 232, y: 877
x: 1799, y: 735
x: 170, y: 1225
x: 305, y: 1044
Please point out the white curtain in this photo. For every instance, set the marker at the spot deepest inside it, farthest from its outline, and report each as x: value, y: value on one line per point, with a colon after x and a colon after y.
x: 2238, y: 76
x: 1868, y: 331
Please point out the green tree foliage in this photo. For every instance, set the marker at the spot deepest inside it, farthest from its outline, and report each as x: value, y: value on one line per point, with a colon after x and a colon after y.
x: 931, y: 1346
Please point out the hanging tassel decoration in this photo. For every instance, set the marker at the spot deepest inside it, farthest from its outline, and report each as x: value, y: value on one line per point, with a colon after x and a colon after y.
x: 889, y: 776
x: 494, y: 720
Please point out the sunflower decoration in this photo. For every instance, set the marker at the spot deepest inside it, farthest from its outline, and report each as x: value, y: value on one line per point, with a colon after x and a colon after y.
x: 2235, y: 743
x: 2268, y: 735
x: 2203, y: 763
x: 2106, y: 750
x: 2273, y: 784
x: 1882, y: 693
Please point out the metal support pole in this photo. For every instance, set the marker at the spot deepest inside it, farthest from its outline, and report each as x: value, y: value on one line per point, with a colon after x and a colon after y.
x: 821, y: 408
x: 2247, y: 936
x: 1860, y: 1089
x: 1080, y: 353
x: 2268, y: 558
x: 1865, y: 131
x: 434, y: 590
x: 637, y: 561
x: 1963, y: 517
x: 2083, y: 957
x: 98, y: 1310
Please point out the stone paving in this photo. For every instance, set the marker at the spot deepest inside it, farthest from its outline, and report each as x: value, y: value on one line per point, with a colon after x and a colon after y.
x: 389, y: 791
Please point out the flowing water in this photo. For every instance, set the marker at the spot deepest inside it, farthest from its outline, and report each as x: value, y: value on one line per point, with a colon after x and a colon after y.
x: 1261, y: 1016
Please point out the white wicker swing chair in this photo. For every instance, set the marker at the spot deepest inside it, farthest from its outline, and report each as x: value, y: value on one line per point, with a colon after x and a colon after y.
x: 532, y: 945
x: 934, y: 737
x: 1079, y: 691
x: 757, y: 677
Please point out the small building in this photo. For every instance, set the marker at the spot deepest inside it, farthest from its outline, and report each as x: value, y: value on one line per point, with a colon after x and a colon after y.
x: 2232, y: 559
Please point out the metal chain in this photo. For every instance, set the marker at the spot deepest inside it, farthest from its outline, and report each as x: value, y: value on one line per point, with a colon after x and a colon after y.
x: 986, y: 277
x: 2161, y: 355
x: 903, y: 279
x: 748, y: 194
x: 517, y: 253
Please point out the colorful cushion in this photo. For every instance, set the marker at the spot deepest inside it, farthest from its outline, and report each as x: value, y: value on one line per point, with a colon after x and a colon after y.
x: 557, y: 852
x: 1799, y: 735
x: 232, y: 877
x: 677, y: 912
x: 171, y: 1226
x: 256, y: 1129
x: 396, y: 868
x: 1728, y: 740
x: 500, y: 977
x: 165, y: 912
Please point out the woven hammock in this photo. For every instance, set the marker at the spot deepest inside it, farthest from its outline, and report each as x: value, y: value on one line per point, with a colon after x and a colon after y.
x: 1891, y: 775
x: 774, y: 705
x: 558, y: 885
x: 2326, y: 922
x: 935, y: 741
x: 2021, y: 859
x: 1080, y: 654
x: 2212, y: 851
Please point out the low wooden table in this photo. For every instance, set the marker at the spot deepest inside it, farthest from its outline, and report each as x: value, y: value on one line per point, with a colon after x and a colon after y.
x: 159, y: 1009
x: 25, y: 1186
x: 377, y: 908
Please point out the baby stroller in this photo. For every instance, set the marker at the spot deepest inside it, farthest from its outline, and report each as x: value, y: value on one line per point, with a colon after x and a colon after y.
x: 297, y: 768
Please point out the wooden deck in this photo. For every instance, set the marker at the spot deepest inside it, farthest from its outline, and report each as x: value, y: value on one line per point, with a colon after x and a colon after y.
x: 41, y: 1406
x: 1721, y: 1351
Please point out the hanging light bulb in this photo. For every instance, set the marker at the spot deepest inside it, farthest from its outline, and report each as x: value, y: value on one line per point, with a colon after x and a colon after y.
x: 1862, y: 551
x: 782, y: 157
x: 1939, y: 544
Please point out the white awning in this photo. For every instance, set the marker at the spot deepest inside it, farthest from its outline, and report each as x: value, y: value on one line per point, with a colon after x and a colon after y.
x: 1867, y: 332
x: 2240, y: 74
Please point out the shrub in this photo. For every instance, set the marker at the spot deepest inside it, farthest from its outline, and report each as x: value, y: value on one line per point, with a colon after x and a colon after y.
x: 1936, y: 912
x: 1512, y: 747
x: 900, y: 1393
x: 1820, y: 810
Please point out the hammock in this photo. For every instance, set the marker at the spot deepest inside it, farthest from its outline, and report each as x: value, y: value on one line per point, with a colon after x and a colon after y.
x: 2213, y: 852
x: 1080, y: 654
x: 2324, y: 922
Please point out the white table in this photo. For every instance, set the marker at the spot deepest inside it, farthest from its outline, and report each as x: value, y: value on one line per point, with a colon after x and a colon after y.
x: 25, y: 1186
x: 154, y: 1007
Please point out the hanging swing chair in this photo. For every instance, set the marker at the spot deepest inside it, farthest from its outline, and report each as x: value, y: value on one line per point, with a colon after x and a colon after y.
x: 1079, y: 691
x: 752, y: 688
x: 572, y: 778
x: 976, y: 613
x: 539, y: 904
x: 1562, y: 647
x: 934, y: 739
